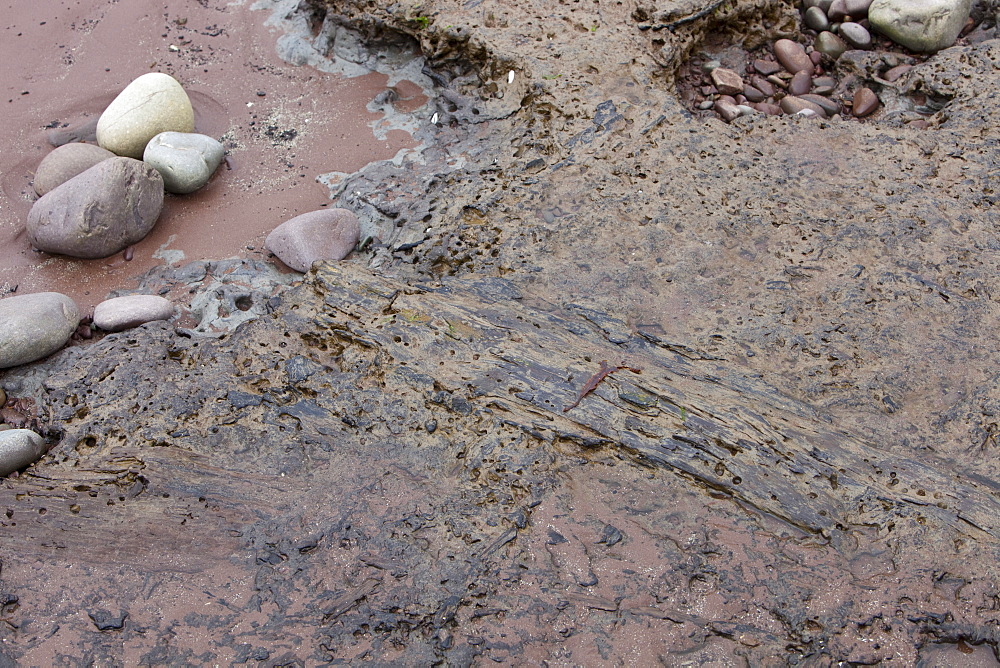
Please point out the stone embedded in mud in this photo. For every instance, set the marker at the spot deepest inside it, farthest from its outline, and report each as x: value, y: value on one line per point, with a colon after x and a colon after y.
x: 921, y: 25
x: 319, y: 235
x: 727, y: 82
x: 65, y: 162
x: 185, y: 160
x: 34, y: 326
x: 865, y: 102
x: 792, y: 56
x: 829, y: 44
x: 107, y: 208
x: 19, y: 448
x: 120, y: 313
x: 153, y: 103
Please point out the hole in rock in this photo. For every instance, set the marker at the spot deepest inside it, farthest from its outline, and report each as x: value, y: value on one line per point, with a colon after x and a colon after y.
x: 286, y: 113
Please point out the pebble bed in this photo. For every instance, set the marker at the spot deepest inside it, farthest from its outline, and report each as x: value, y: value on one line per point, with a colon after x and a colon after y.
x: 800, y: 77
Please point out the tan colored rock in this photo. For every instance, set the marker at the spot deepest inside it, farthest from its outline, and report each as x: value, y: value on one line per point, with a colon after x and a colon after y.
x: 65, y: 162
x: 727, y: 82
x: 151, y: 104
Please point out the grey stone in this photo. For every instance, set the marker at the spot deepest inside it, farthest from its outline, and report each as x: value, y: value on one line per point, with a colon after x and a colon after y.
x: 34, y: 326
x: 856, y: 35
x: 816, y: 19
x: 831, y: 107
x: 19, y: 448
x: 790, y: 104
x: 151, y: 104
x: 920, y: 25
x: 119, y: 313
x: 319, y: 235
x: 100, y: 212
x: 185, y: 160
x: 829, y: 44
x: 65, y: 162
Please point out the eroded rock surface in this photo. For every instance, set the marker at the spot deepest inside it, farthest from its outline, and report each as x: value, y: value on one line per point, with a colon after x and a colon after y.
x: 381, y: 465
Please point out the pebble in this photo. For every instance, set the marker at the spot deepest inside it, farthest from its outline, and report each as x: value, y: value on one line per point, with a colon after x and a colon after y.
x: 727, y: 110
x: 925, y: 25
x: 829, y: 44
x: 19, y: 448
x: 705, y: 105
x: 763, y: 85
x: 856, y: 35
x: 831, y: 107
x: 865, y: 102
x: 769, y: 109
x: 824, y: 85
x: 857, y: 9
x: 816, y: 19
x: 34, y: 326
x: 766, y: 67
x: 120, y: 313
x: 791, y: 104
x: 726, y: 81
x: 824, y: 5
x: 65, y: 162
x: 801, y: 83
x: 151, y: 104
x: 837, y: 11
x: 185, y: 160
x: 896, y: 72
x: 329, y: 234
x: 753, y: 94
x: 792, y: 56
x: 100, y: 212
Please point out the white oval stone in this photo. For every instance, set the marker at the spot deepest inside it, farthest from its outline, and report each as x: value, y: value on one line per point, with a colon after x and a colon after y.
x: 921, y: 25
x: 114, y: 315
x: 19, y: 448
x: 185, y: 160
x: 151, y: 104
x: 34, y: 326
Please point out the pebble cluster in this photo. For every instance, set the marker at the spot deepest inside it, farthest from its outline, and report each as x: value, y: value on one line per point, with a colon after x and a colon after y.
x: 96, y: 200
x: 800, y: 79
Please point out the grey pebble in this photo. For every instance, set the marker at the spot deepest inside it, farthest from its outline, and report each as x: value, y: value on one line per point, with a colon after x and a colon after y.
x: 185, y: 160
x: 328, y: 234
x: 19, y: 448
x: 816, y: 19
x: 120, y: 313
x: 856, y: 35
x: 34, y: 326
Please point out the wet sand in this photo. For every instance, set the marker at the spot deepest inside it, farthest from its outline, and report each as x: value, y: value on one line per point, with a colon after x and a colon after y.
x: 61, y: 64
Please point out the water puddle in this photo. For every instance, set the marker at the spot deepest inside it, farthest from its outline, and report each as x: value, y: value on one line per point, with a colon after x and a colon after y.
x: 285, y: 120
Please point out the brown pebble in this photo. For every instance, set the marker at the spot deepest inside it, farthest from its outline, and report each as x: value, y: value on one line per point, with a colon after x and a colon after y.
x: 729, y: 99
x: 865, y: 102
x: 727, y: 110
x: 84, y: 332
x: 754, y: 94
x: 896, y: 72
x: 800, y: 84
x: 816, y: 57
x: 763, y: 85
x: 777, y: 81
x: 791, y: 104
x: 919, y: 124
x: 129, y: 253
x: 768, y: 108
x: 792, y: 56
x: 766, y: 67
x: 3, y: 398
x: 727, y: 81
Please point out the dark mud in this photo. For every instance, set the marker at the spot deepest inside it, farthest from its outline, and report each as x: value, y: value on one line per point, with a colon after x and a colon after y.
x: 381, y: 468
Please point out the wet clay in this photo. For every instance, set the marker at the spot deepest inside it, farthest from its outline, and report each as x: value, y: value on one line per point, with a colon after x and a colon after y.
x: 282, y: 126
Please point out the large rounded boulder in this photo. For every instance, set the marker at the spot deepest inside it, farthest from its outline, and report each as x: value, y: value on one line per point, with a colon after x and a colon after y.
x: 151, y: 104
x: 100, y: 212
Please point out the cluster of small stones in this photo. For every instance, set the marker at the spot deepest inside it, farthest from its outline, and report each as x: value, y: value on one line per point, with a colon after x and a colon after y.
x: 793, y: 78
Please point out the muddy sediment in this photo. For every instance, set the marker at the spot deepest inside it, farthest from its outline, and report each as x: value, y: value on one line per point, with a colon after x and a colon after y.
x: 388, y: 466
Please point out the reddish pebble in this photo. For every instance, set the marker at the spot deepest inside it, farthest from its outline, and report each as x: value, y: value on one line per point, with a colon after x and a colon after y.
x: 728, y: 111
x: 800, y: 84
x: 896, y: 72
x: 792, y: 56
x: 865, y: 102
x: 727, y: 81
x: 816, y: 57
x: 763, y: 85
x: 769, y: 109
x: 793, y: 105
x: 766, y: 67
x: 920, y: 124
x: 753, y: 94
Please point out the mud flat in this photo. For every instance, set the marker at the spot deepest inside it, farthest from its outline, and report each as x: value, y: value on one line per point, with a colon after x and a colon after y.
x: 388, y: 465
